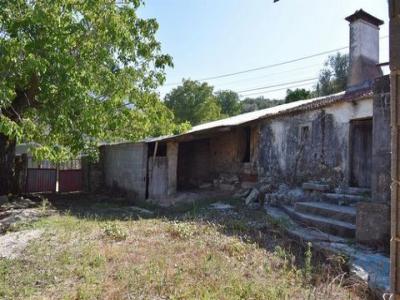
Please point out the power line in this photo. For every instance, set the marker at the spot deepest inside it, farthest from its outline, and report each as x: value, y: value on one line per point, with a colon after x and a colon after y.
x: 263, y: 67
x: 278, y: 85
x: 269, y: 75
x: 268, y: 66
x: 276, y: 90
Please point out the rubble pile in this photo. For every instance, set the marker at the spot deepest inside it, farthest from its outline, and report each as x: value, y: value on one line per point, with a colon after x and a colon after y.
x: 18, y: 209
x: 269, y: 193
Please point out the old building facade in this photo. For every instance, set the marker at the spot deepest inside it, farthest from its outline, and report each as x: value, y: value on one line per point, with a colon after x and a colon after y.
x: 341, y: 141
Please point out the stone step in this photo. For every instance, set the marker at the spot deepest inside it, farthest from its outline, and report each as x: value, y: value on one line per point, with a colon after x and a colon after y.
x: 338, y: 228
x: 248, y: 184
x: 313, y: 186
x: 353, y: 191
x: 332, y: 211
x: 342, y: 199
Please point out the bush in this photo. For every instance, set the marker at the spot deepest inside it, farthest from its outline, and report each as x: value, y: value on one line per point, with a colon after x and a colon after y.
x: 182, y: 231
x: 115, y: 231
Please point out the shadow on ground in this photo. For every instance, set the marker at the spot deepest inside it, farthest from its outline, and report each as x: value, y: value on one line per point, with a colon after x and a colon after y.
x: 251, y: 225
x: 232, y: 219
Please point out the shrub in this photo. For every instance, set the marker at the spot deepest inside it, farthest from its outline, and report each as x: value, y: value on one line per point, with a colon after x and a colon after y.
x: 182, y: 231
x: 115, y: 231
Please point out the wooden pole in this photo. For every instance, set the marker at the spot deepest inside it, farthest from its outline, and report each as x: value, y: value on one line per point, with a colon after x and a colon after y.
x: 394, y: 42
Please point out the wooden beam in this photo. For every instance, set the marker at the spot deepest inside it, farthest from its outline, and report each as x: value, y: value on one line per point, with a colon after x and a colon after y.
x: 394, y: 42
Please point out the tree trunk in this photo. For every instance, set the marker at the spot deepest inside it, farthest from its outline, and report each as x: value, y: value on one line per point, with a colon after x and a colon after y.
x: 7, y: 164
x: 24, y: 98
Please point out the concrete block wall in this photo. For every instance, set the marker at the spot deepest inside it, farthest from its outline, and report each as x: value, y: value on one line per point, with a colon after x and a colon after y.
x: 125, y: 167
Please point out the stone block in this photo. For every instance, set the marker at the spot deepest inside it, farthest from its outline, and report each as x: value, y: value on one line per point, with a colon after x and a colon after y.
x: 253, y: 196
x: 243, y: 193
x: 373, y: 224
x: 320, y: 187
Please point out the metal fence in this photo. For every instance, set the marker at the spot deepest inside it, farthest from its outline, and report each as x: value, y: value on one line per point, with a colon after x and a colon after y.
x: 43, y: 176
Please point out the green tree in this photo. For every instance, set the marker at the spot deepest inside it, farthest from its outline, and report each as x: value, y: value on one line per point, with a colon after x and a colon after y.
x: 297, y: 94
x: 193, y: 102
x: 333, y: 77
x: 74, y: 73
x: 252, y: 104
x: 229, y: 102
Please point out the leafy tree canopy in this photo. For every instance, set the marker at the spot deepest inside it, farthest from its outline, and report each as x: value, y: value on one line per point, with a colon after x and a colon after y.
x: 252, y: 104
x: 333, y: 77
x: 297, y: 94
x: 193, y: 102
x: 229, y: 102
x: 76, y: 72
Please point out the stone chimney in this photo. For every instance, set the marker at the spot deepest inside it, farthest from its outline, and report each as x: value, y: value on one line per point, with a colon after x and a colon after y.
x: 364, y: 50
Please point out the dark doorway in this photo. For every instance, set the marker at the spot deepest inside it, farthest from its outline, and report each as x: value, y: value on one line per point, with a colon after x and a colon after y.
x: 246, y: 156
x: 193, y: 164
x: 361, y: 153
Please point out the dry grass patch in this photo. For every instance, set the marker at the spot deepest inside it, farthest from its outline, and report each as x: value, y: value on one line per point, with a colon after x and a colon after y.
x: 208, y: 256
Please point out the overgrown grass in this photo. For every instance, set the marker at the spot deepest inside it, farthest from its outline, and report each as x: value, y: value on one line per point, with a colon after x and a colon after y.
x: 203, y: 255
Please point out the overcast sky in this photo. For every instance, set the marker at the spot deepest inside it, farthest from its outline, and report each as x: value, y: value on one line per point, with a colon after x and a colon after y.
x: 207, y: 38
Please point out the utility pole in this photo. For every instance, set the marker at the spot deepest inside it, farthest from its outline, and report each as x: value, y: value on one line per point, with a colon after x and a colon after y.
x: 394, y: 48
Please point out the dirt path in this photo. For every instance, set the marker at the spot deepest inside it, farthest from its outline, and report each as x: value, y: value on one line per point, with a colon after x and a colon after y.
x: 12, y: 244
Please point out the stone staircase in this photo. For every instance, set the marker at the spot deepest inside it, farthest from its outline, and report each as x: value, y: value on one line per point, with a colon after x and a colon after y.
x: 332, y: 212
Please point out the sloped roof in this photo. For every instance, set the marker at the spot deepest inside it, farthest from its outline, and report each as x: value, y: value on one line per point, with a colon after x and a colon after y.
x: 276, y: 111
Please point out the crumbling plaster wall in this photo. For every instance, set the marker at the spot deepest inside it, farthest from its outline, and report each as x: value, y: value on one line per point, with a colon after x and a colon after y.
x: 323, y: 155
x: 228, y: 151
x: 222, y: 153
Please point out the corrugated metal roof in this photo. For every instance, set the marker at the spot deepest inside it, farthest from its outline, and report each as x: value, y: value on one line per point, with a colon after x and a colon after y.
x: 275, y: 111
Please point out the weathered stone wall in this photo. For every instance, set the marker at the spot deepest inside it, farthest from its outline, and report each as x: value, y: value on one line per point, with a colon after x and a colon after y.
x: 323, y: 151
x: 381, y: 141
x: 228, y: 151
x: 125, y: 167
x: 218, y: 156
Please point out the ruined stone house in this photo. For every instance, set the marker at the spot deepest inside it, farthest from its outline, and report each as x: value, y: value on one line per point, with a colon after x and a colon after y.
x: 341, y: 141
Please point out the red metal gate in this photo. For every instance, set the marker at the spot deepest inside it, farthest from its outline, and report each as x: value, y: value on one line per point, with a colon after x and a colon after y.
x: 41, y: 180
x: 70, y: 180
x: 42, y: 176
